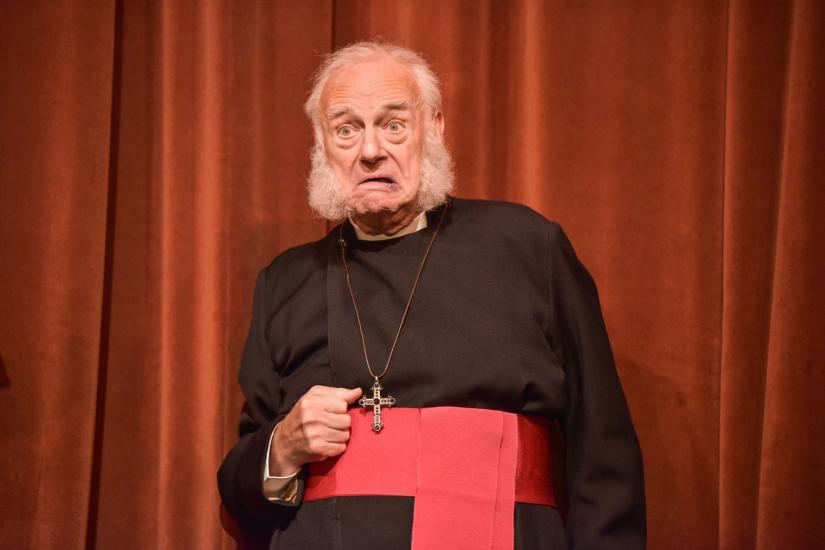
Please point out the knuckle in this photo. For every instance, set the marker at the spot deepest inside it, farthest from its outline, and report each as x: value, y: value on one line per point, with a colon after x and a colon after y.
x: 315, y: 447
x: 318, y: 389
x: 311, y: 432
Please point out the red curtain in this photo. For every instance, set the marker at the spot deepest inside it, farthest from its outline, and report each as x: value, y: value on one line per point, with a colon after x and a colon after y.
x: 153, y: 158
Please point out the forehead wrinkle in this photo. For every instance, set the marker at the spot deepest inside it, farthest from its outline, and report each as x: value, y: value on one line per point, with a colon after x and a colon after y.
x: 338, y: 111
x: 394, y: 105
x: 348, y: 88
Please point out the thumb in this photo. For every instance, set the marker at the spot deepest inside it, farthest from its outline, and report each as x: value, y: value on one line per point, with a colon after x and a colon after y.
x: 349, y: 395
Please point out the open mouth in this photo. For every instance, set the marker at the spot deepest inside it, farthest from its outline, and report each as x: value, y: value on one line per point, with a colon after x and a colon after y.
x: 380, y: 179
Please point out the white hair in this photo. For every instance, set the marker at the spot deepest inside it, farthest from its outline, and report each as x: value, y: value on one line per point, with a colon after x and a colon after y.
x: 325, y: 196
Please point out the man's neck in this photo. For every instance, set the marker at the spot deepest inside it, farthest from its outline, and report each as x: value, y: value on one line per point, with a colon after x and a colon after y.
x: 417, y: 224
x: 387, y: 222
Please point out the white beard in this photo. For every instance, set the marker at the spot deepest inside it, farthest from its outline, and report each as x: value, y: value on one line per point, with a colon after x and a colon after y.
x: 327, y: 200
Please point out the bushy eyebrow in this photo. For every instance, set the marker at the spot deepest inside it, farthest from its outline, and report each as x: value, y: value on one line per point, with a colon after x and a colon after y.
x: 396, y: 106
x: 337, y: 112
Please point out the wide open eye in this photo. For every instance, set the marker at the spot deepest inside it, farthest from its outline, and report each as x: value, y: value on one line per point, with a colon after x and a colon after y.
x: 345, y: 131
x: 395, y: 126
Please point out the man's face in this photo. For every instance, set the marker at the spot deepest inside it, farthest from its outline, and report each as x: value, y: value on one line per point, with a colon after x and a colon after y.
x: 374, y: 134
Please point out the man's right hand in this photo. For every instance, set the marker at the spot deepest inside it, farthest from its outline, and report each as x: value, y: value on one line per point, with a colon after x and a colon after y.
x: 315, y: 429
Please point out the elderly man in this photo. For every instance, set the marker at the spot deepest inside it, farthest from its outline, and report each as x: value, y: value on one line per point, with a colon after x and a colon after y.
x: 404, y: 375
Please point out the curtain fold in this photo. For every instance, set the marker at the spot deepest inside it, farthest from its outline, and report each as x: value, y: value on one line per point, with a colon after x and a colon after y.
x: 55, y: 111
x: 210, y: 186
x: 153, y: 157
x: 755, y: 101
x: 791, y: 480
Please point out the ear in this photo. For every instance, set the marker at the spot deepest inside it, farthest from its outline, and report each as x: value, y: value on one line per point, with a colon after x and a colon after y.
x: 438, y: 120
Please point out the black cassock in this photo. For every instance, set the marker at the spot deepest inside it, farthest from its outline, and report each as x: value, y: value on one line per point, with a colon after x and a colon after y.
x: 505, y: 317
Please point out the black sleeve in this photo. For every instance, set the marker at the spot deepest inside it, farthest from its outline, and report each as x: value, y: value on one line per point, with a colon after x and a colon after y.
x: 603, y: 473
x: 240, y: 478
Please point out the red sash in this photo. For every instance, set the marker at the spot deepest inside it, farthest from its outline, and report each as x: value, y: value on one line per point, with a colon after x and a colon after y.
x: 465, y: 467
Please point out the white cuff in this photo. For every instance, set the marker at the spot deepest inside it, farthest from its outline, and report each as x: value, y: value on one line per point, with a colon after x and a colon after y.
x: 274, y: 487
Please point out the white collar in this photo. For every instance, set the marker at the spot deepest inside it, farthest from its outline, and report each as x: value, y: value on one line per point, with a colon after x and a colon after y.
x: 419, y: 223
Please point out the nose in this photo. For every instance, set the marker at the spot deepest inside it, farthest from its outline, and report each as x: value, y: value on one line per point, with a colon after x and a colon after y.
x: 371, y: 150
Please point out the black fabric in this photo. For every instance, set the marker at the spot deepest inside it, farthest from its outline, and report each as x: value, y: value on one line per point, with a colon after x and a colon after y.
x: 505, y: 318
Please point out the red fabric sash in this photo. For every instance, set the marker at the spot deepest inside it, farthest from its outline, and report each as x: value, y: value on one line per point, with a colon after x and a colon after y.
x: 465, y: 467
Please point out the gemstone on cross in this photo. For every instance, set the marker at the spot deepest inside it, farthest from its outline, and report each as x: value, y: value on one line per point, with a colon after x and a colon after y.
x: 376, y: 402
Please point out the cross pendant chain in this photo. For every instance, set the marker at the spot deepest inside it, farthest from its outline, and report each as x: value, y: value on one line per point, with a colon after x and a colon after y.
x: 376, y: 402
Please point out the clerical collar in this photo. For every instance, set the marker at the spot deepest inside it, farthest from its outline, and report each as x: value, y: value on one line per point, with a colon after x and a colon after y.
x: 419, y: 223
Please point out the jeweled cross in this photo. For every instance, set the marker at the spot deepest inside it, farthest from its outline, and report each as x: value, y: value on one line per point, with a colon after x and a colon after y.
x: 376, y: 402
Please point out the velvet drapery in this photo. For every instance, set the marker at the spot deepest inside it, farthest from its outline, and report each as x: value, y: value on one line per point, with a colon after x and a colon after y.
x: 153, y: 158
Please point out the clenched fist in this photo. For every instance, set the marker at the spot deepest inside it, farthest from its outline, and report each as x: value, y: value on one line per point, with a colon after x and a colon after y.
x: 316, y: 428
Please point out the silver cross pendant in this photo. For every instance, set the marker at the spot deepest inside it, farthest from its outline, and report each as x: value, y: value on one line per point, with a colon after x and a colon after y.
x: 376, y: 402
